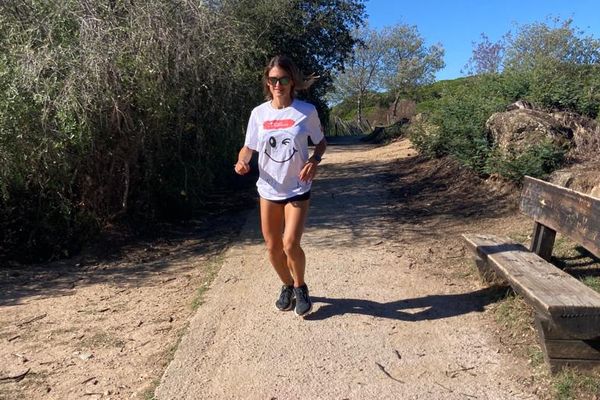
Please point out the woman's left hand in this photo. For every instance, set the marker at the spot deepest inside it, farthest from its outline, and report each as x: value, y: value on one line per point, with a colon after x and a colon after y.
x: 309, y: 170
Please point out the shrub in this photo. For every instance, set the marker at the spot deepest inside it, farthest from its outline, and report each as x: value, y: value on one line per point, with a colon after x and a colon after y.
x: 538, y: 161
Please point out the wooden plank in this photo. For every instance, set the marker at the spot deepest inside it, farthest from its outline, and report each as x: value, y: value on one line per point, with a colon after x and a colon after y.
x: 549, y: 331
x: 542, y: 241
x: 573, y: 349
x: 574, y: 214
x: 584, y: 366
x: 554, y: 294
x: 487, y: 273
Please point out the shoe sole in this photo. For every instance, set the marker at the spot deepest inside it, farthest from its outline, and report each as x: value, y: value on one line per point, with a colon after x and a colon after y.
x: 306, y: 312
x: 285, y: 309
x: 292, y: 304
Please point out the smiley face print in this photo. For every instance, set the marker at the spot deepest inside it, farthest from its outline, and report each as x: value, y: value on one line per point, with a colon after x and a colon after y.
x: 280, y: 147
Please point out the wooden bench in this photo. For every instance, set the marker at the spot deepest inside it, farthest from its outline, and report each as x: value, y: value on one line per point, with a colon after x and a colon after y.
x: 567, y: 311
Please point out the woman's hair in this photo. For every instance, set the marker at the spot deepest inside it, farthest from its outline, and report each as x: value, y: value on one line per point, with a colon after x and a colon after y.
x: 299, y: 82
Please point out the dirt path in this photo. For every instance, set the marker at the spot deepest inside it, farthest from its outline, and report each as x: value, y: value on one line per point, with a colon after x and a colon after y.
x: 399, y: 312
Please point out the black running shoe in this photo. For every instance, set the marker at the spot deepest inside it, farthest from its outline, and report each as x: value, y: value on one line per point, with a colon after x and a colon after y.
x: 284, y: 302
x: 303, y: 302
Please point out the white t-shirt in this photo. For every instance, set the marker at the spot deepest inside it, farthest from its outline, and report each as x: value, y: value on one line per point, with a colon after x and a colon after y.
x: 280, y: 136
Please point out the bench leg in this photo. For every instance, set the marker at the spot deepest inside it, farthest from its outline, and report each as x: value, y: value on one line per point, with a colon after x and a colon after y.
x: 487, y: 273
x: 542, y: 241
x: 563, y: 350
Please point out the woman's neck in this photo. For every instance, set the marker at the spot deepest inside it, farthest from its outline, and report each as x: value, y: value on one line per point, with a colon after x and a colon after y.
x: 281, y: 103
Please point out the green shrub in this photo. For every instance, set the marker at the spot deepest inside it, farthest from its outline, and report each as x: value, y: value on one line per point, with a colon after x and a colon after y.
x: 563, y: 86
x: 460, y: 114
x: 129, y: 109
x: 538, y: 161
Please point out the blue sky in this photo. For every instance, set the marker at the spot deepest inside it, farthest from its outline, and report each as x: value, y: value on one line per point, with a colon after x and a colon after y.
x: 457, y: 24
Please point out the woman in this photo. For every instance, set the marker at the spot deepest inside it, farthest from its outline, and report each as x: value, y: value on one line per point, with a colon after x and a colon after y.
x: 279, y: 130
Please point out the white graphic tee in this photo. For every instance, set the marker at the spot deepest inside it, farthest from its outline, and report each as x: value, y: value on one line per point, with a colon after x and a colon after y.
x: 280, y: 136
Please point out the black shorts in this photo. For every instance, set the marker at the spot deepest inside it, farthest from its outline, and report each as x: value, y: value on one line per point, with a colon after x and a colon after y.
x: 300, y: 197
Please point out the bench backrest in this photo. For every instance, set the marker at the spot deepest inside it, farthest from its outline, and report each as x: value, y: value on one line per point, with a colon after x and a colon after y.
x: 555, y: 208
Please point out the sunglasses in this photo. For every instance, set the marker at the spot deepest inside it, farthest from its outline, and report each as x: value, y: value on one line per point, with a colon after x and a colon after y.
x: 284, y: 80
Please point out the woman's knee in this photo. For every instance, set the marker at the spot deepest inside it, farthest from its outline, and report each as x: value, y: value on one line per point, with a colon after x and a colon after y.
x: 274, y: 246
x: 291, y: 246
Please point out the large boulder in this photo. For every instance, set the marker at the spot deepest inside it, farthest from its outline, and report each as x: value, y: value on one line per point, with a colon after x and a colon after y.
x: 517, y: 130
x: 584, y: 177
x: 586, y: 134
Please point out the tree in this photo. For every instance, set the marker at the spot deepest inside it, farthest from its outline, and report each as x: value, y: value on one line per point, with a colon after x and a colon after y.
x: 539, y: 42
x: 316, y: 34
x: 362, y: 71
x: 407, y: 62
x: 486, y: 57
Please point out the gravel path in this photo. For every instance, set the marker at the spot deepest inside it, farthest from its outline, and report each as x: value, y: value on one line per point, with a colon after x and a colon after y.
x: 398, y: 313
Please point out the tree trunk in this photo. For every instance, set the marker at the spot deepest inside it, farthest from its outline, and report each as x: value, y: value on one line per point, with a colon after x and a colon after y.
x: 359, y: 113
x: 394, y: 110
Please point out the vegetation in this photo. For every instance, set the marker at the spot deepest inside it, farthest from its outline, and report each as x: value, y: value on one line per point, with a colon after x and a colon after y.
x: 134, y: 110
x: 395, y: 60
x: 551, y: 65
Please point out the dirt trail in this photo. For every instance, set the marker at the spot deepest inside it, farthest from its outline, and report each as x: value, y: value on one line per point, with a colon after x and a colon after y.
x: 399, y: 312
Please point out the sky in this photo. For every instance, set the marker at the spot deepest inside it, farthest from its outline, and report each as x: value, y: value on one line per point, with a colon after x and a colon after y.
x: 456, y: 24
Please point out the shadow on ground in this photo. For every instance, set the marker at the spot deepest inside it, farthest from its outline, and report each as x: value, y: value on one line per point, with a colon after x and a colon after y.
x: 414, y: 193
x: 131, y: 262
x: 419, y: 309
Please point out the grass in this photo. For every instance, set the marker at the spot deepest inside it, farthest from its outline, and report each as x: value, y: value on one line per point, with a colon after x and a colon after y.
x: 571, y: 385
x: 536, y: 356
x: 514, y: 314
x: 593, y: 282
x: 515, y: 317
x: 148, y: 393
x: 102, y: 339
x: 211, y: 270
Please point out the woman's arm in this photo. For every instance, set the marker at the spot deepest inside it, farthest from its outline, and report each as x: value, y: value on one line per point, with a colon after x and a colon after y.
x: 319, y: 150
x: 310, y: 168
x: 242, y: 166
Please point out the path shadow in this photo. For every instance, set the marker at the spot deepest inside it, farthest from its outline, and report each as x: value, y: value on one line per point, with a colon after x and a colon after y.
x: 378, y: 191
x: 372, y: 197
x: 430, y: 307
x: 129, y: 262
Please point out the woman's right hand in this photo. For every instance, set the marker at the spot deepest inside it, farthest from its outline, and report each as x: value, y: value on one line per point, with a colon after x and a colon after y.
x: 241, y: 167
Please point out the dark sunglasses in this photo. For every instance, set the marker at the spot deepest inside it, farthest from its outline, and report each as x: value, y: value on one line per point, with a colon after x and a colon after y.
x: 284, y: 80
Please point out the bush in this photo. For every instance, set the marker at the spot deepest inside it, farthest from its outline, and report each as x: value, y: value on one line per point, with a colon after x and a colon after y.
x: 460, y: 114
x: 104, y: 112
x: 538, y: 161
x: 112, y: 110
x: 562, y: 86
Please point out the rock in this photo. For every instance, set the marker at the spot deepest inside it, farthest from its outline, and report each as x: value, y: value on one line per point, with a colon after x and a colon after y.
x: 519, y: 105
x: 516, y: 131
x: 586, y: 133
x: 583, y: 177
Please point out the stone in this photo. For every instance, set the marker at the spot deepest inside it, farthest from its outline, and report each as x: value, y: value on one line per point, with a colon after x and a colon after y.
x: 516, y: 131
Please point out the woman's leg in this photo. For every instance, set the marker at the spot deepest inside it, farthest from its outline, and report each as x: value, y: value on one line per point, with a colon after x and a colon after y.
x: 272, y: 225
x: 295, y: 217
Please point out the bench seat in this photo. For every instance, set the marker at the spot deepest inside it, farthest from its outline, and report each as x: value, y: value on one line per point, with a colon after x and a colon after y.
x: 556, y: 296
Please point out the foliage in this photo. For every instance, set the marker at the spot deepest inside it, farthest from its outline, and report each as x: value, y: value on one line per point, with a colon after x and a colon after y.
x: 123, y: 109
x: 316, y: 34
x: 394, y: 59
x: 346, y: 109
x: 361, y: 74
x: 408, y: 63
x: 459, y: 115
x: 538, y: 161
x: 552, y: 67
x: 566, y: 86
x: 556, y: 40
x: 486, y: 57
